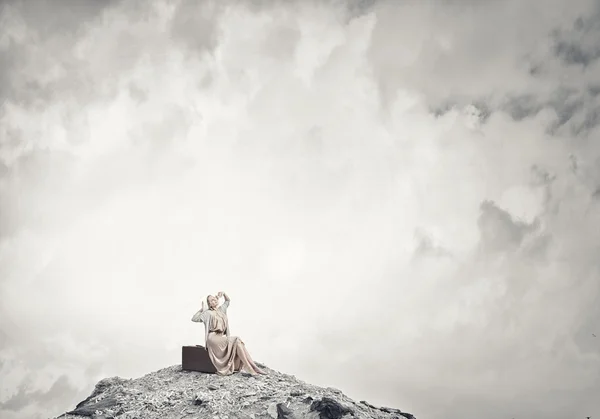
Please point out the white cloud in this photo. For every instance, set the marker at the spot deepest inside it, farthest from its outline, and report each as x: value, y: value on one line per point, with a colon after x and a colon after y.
x: 292, y: 156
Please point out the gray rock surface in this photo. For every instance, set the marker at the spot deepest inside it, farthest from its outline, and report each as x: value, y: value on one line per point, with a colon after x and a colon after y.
x: 172, y: 393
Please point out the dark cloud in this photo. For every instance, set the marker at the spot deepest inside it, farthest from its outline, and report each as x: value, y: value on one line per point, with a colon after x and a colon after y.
x: 500, y: 232
x: 591, y: 120
x: 426, y: 246
x: 566, y: 102
x: 521, y: 107
x: 51, y: 22
x: 482, y: 107
x: 572, y: 53
x: 576, y: 110
x: 195, y: 23
x: 594, y: 90
x: 50, y: 399
x: 456, y: 69
x: 50, y: 18
x: 579, y: 44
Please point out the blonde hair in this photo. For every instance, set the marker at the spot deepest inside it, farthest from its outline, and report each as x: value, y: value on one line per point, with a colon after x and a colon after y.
x: 208, y: 302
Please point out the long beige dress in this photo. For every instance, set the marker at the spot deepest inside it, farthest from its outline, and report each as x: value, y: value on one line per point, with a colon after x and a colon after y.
x: 227, y: 353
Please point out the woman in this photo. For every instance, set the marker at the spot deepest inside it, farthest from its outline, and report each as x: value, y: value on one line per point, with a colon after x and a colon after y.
x: 227, y: 353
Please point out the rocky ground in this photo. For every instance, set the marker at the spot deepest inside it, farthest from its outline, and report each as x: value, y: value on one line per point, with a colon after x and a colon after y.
x: 177, y: 394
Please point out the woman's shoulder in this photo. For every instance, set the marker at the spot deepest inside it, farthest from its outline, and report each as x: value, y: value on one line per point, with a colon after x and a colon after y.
x: 200, y: 316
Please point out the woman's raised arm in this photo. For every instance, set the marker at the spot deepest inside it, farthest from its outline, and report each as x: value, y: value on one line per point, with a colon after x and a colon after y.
x: 224, y: 306
x: 199, y: 316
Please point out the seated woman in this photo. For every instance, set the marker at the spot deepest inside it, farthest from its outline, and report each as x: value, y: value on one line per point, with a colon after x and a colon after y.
x: 227, y: 353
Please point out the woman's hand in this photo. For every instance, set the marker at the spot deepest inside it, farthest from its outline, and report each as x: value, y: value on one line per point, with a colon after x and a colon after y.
x: 220, y: 294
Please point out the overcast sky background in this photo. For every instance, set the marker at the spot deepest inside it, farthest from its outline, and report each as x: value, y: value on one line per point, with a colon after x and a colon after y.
x: 402, y: 199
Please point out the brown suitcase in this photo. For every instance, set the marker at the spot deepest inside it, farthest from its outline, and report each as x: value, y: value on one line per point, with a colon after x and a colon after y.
x: 195, y: 358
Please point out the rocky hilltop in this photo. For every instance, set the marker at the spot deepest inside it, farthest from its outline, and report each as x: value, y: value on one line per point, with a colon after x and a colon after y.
x: 174, y: 393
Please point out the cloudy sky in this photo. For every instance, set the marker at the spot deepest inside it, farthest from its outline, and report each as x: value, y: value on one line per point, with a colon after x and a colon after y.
x: 402, y: 199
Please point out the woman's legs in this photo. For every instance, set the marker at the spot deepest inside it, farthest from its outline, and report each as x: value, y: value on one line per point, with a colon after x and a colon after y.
x: 243, y: 356
x: 229, y: 354
x: 246, y: 359
x: 251, y: 361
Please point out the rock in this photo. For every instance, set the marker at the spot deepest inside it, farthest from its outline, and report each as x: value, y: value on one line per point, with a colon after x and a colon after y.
x: 101, y: 387
x: 389, y: 410
x: 201, y: 399
x: 396, y: 411
x: 171, y: 393
x: 272, y: 410
x: 329, y: 408
x: 369, y: 405
x: 284, y: 412
x: 90, y: 409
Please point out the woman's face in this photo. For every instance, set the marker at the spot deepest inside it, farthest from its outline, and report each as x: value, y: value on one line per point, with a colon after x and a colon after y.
x: 212, y: 301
